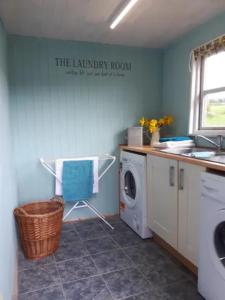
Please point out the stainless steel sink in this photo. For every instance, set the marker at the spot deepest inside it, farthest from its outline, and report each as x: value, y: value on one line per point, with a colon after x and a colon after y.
x: 220, y: 154
x: 218, y: 158
x: 188, y: 151
x: 200, y: 153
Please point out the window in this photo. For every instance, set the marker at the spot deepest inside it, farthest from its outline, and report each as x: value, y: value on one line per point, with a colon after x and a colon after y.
x: 208, y: 94
x: 212, y: 97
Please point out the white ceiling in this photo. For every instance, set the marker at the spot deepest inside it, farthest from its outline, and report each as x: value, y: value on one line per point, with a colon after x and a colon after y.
x: 151, y: 23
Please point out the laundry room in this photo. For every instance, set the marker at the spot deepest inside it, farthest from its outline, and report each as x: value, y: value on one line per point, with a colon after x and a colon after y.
x: 112, y: 152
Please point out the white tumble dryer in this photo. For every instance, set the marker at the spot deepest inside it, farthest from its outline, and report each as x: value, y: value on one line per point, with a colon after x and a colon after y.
x: 133, y: 192
x: 211, y: 267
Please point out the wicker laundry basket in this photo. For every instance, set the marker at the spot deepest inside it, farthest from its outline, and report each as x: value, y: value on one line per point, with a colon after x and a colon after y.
x: 39, y: 225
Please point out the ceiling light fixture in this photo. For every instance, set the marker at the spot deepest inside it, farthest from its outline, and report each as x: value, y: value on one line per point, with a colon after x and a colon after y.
x: 123, y: 13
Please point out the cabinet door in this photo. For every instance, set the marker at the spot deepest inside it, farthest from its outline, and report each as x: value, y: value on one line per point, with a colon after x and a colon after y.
x: 188, y: 212
x: 162, y: 198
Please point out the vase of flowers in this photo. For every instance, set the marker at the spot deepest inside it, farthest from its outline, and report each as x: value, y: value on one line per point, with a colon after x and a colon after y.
x: 155, y: 137
x: 153, y: 126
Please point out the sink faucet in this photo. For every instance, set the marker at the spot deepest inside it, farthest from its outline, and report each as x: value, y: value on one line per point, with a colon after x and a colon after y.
x: 218, y: 145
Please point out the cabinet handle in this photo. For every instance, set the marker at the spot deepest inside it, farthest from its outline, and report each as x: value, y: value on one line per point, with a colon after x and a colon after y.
x: 171, y: 176
x: 181, y: 179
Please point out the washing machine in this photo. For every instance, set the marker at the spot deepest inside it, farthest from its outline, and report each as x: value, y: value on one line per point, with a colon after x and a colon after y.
x: 211, y: 266
x: 133, y: 192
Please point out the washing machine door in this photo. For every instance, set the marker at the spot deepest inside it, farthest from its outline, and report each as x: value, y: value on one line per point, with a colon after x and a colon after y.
x: 217, y: 241
x: 129, y: 185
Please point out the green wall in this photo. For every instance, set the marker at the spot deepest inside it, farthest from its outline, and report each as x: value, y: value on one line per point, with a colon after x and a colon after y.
x: 8, y: 199
x: 176, y: 75
x: 55, y: 114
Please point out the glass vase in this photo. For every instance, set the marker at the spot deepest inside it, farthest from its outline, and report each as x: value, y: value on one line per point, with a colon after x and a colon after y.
x: 155, y: 138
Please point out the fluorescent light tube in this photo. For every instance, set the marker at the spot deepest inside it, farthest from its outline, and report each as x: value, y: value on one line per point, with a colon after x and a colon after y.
x: 123, y: 13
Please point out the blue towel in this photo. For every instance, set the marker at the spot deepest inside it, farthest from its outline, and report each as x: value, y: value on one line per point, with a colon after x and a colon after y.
x: 77, y: 180
x: 175, y: 139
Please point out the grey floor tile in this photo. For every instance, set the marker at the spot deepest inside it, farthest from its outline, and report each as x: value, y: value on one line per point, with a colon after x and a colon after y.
x: 118, y: 224
x: 131, y: 268
x: 24, y: 263
x: 88, y: 223
x: 185, y: 290
x: 52, y: 293
x: 151, y: 253
x: 161, y: 274
x: 68, y: 236
x: 189, y: 275
x: 92, y: 288
x: 38, y: 278
x: 153, y: 295
x: 100, y: 245
x: 77, y: 268
x: 146, y: 253
x: 111, y: 261
x: 68, y: 226
x: 90, y: 229
x: 126, y: 283
x: 70, y: 250
x: 126, y: 240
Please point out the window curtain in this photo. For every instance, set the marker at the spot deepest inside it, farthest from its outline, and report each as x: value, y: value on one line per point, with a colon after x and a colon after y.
x: 209, y: 48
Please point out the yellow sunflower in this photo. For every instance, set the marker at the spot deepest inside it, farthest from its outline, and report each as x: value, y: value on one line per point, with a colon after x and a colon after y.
x: 168, y: 120
x: 142, y: 121
x: 153, y: 123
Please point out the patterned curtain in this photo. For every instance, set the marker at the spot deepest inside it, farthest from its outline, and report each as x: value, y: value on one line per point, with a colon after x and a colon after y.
x: 210, y: 48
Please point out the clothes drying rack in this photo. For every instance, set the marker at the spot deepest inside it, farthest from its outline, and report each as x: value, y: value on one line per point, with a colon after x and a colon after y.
x: 82, y: 203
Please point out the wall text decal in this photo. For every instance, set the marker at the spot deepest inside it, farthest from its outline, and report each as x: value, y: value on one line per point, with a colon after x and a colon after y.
x: 93, y: 67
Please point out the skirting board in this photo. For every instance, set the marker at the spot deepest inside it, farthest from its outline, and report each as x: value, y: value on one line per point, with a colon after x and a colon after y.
x: 190, y: 266
x: 15, y: 283
x: 94, y: 218
x: 15, y: 280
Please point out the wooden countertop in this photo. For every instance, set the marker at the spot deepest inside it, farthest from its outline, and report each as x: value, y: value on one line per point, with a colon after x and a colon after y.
x: 195, y: 161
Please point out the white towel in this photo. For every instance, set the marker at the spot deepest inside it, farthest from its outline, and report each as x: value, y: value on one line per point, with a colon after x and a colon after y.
x: 175, y: 144
x: 59, y: 169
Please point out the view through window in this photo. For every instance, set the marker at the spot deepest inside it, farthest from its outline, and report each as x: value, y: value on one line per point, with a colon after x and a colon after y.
x: 212, y: 95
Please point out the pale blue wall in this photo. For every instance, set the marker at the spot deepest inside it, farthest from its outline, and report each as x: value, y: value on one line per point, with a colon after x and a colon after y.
x: 8, y: 199
x: 176, y: 75
x: 58, y: 115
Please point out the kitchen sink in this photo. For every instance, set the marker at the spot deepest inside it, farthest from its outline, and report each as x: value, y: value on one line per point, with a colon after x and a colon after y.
x: 200, y: 153
x: 189, y: 151
x: 219, y: 158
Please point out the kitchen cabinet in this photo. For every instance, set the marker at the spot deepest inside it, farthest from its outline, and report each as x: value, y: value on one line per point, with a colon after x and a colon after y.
x: 162, y: 198
x: 189, y: 195
x: 173, y: 203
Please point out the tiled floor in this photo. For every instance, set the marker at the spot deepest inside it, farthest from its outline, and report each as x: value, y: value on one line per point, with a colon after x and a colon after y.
x: 96, y: 263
